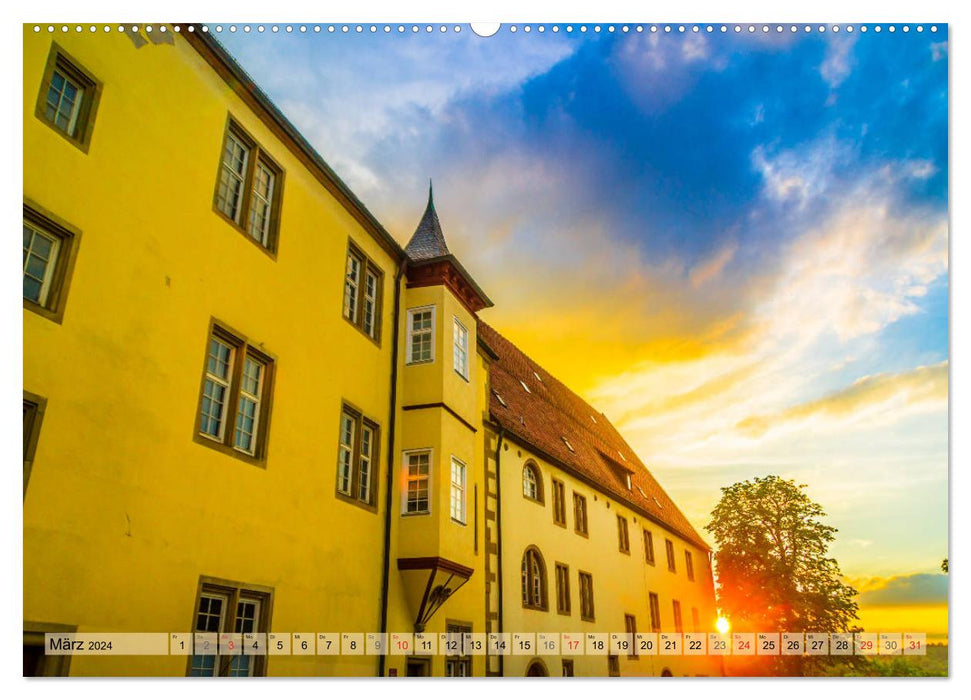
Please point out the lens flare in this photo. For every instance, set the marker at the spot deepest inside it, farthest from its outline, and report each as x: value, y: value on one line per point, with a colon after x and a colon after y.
x: 722, y: 625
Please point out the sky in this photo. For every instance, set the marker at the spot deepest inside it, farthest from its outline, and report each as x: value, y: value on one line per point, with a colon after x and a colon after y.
x: 734, y: 245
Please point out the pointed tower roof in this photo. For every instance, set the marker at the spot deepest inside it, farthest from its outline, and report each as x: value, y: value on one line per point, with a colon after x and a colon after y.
x: 428, y: 241
x: 430, y: 262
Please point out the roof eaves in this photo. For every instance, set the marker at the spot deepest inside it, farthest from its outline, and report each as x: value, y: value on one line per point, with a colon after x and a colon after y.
x: 246, y: 83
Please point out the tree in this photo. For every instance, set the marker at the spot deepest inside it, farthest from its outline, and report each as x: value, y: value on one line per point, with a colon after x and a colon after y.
x: 944, y: 565
x: 774, y: 574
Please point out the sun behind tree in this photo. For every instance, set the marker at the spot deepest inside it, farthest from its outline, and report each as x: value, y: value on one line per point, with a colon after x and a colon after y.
x: 774, y: 574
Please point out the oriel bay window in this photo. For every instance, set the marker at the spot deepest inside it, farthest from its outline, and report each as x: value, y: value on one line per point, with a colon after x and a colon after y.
x: 357, y: 457
x: 234, y: 406
x: 362, y: 293
x: 249, y: 188
x: 226, y: 606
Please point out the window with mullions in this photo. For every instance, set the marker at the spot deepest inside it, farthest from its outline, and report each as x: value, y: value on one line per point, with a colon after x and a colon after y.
x: 68, y: 98
x: 421, y: 335
x: 458, y: 666
x: 236, y: 388
x: 460, y: 349
x: 532, y: 483
x: 655, y: 612
x: 457, y: 495
x: 689, y: 566
x: 362, y: 293
x: 534, y: 580
x: 586, y: 596
x: 416, y: 498
x: 562, y: 589
x: 649, y: 547
x: 357, y: 455
x: 49, y: 250
x: 580, y: 514
x: 669, y: 549
x: 623, y: 538
x: 248, y: 188
x: 222, y: 607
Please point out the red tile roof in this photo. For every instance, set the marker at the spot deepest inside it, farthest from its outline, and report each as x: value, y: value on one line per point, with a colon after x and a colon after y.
x: 549, y: 412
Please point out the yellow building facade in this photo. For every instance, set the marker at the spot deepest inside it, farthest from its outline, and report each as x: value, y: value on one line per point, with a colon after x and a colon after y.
x: 248, y: 408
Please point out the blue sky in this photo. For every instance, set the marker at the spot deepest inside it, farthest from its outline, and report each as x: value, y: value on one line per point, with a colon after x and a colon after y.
x: 736, y: 245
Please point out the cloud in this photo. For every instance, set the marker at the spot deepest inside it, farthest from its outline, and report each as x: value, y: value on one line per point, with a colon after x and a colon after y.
x: 838, y: 62
x: 912, y: 589
x: 711, y: 269
x: 882, y: 398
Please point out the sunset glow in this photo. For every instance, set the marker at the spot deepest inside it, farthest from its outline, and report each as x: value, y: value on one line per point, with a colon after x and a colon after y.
x: 736, y: 247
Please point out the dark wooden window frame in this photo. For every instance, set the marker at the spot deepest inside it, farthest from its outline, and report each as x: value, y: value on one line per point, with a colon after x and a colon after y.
x: 630, y: 627
x: 243, y: 347
x: 558, y: 489
x: 592, y: 617
x: 580, y: 503
x: 360, y: 420
x: 463, y: 628
x: 567, y: 666
x: 61, y: 60
x: 623, y: 535
x: 366, y: 265
x: 543, y: 604
x: 689, y: 565
x: 654, y: 605
x: 234, y: 590
x: 562, y: 575
x: 669, y: 553
x: 257, y: 154
x: 649, y: 548
x: 678, y: 619
x: 34, y: 408
x: 54, y: 665
x: 70, y: 239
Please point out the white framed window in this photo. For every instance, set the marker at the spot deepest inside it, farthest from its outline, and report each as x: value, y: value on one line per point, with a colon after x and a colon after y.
x: 370, y: 302
x: 222, y: 608
x: 248, y: 408
x: 215, y: 393
x: 460, y: 348
x: 417, y: 493
x: 352, y: 284
x: 421, y: 335
x: 345, y: 453
x: 364, y: 464
x: 40, y: 262
x: 232, y: 177
x: 249, y: 187
x: 532, y: 486
x: 262, y: 205
x: 457, y: 499
x: 64, y: 102
x: 357, y: 450
x: 234, y: 407
x: 362, y: 292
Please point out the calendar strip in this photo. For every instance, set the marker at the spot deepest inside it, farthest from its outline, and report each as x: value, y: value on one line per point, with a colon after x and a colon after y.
x: 491, y: 644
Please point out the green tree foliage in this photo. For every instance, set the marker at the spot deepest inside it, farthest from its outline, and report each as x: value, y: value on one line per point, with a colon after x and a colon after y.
x: 944, y: 565
x: 774, y: 574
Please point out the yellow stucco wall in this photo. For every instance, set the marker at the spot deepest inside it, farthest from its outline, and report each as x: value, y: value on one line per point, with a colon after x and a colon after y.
x: 124, y: 511
x: 621, y: 581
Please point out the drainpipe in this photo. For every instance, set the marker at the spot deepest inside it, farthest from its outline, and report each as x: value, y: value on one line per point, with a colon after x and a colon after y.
x: 502, y: 433
x: 389, y: 481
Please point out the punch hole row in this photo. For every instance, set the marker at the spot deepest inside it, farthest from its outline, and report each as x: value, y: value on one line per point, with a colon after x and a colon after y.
x: 513, y: 28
